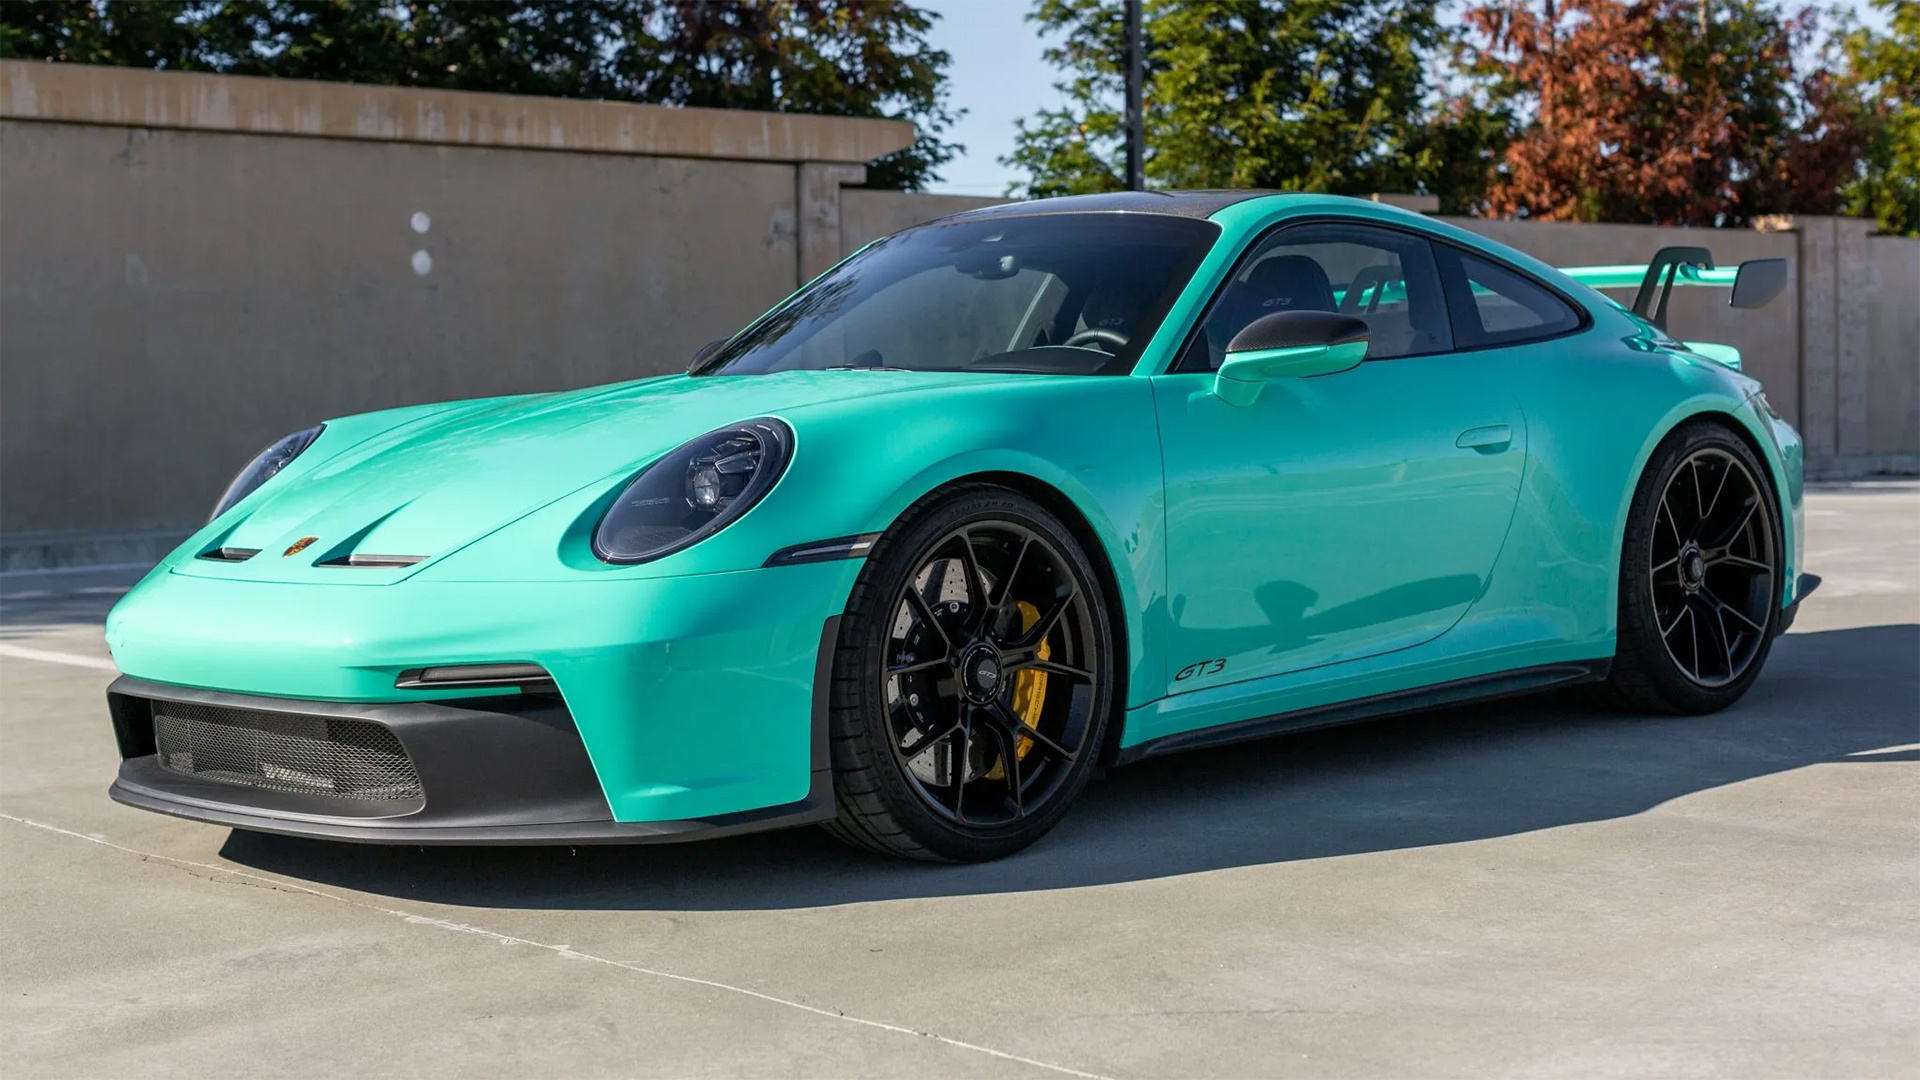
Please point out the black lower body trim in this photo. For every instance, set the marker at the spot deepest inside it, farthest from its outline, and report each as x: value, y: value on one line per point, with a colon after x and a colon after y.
x: 1457, y: 692
x: 1807, y: 583
x: 132, y: 788
x: 495, y: 770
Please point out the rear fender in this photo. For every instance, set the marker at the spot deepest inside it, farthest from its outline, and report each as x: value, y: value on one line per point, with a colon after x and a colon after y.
x: 1778, y: 450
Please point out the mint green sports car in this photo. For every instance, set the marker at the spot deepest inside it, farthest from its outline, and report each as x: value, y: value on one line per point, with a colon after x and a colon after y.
x: 996, y: 503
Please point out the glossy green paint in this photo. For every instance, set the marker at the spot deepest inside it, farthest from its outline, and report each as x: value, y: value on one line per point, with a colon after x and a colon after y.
x: 1725, y: 355
x: 1335, y: 517
x: 690, y: 678
x: 1375, y: 592
x: 1342, y: 534
x: 1242, y: 374
x: 1630, y: 276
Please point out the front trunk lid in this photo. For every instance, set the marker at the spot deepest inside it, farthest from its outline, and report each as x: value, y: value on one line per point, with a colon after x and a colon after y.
x: 377, y: 511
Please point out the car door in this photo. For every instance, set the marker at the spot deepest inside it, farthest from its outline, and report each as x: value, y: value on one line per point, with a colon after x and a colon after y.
x: 1339, y: 516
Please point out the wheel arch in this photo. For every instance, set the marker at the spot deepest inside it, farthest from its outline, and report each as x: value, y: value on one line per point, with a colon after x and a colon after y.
x: 1095, y: 533
x: 1738, y: 420
x: 1070, y: 515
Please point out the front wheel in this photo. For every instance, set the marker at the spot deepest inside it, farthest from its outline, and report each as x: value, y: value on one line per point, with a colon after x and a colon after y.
x: 972, y: 681
x: 1700, y: 576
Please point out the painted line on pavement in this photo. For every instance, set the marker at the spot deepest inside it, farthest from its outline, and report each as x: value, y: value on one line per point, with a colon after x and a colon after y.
x: 21, y: 652
x: 558, y: 950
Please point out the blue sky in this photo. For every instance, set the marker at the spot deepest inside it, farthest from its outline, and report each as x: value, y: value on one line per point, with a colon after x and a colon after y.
x: 999, y: 77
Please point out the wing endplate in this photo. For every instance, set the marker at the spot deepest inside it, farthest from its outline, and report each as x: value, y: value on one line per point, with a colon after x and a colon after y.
x: 1755, y: 282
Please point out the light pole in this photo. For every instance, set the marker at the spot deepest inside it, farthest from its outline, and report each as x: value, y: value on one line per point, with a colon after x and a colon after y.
x: 1136, y: 119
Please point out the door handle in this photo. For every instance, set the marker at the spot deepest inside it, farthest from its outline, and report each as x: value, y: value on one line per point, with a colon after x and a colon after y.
x: 1486, y: 440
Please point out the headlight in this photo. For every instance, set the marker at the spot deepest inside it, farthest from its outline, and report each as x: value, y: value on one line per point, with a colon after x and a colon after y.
x: 263, y: 466
x: 694, y: 492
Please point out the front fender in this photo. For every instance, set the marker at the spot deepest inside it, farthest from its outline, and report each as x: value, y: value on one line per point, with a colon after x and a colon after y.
x: 860, y: 462
x: 1131, y: 548
x: 1094, y: 441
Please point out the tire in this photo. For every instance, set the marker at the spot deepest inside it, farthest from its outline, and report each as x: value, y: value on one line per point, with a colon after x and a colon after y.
x: 998, y: 701
x: 1695, y: 632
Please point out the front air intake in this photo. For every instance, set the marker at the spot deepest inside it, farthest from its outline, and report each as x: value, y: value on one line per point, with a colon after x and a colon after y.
x: 308, y: 755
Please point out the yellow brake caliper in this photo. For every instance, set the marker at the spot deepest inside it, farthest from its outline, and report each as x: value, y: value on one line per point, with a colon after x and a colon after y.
x: 1029, y: 691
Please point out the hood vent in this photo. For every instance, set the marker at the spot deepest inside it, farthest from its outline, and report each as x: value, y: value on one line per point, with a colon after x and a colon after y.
x: 229, y: 554
x: 373, y: 562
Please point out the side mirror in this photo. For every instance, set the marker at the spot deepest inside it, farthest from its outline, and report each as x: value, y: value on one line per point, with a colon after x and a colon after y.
x: 1758, y: 282
x: 705, y: 351
x: 1288, y: 345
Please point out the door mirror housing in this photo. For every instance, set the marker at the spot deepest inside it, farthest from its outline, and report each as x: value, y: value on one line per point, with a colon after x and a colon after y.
x: 1288, y: 345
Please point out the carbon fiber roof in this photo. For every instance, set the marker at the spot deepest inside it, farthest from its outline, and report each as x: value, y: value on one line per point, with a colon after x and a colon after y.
x: 1191, y: 204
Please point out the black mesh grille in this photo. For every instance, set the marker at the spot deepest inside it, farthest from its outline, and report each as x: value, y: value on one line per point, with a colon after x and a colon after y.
x: 311, y: 755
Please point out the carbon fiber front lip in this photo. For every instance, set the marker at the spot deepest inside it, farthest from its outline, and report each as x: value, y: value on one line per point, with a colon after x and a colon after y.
x: 144, y: 785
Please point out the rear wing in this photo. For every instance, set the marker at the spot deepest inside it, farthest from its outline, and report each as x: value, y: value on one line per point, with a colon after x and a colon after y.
x: 1754, y: 283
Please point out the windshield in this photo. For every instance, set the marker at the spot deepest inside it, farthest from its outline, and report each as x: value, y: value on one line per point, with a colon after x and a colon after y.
x: 1065, y: 294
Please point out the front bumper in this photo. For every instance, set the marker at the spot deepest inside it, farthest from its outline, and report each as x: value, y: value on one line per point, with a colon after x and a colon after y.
x: 689, y: 701
x: 505, y: 769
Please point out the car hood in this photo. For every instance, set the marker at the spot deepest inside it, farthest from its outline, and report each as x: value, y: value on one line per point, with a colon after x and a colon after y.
x: 433, y: 484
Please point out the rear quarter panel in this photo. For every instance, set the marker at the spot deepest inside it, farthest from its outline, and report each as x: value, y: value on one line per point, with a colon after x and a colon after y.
x: 1598, y: 405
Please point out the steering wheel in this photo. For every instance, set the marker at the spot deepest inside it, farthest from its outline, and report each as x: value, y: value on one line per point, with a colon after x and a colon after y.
x: 1096, y: 334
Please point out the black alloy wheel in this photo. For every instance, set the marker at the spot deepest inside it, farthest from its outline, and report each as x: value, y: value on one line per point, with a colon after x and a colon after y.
x: 973, y: 681
x: 1700, y: 576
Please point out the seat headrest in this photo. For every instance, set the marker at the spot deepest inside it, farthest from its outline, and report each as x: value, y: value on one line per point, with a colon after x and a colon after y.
x: 1115, y: 304
x: 1289, y: 283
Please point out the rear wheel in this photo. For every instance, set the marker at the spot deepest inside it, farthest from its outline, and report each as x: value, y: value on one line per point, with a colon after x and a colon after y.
x: 972, y: 680
x: 1700, y: 576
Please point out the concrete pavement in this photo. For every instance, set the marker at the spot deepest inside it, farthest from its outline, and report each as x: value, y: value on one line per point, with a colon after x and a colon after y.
x: 1538, y: 888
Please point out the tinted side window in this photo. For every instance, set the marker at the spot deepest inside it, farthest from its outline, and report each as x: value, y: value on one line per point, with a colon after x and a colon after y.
x: 1384, y: 277
x: 1493, y: 305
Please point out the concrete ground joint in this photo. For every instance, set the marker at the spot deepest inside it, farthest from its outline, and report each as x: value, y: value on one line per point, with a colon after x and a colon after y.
x: 208, y: 873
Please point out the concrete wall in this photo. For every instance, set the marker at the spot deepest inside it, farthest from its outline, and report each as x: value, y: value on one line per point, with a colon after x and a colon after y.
x: 1893, y: 352
x: 1859, y: 310
x: 866, y: 216
x: 175, y: 300
x: 192, y: 266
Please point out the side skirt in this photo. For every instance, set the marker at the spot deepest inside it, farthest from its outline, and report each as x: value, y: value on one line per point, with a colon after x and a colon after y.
x: 1500, y: 684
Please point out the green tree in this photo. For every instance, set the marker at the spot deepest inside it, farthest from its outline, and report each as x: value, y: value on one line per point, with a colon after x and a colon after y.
x: 160, y: 34
x: 1314, y: 95
x: 830, y: 57
x: 1888, y: 67
x: 835, y: 57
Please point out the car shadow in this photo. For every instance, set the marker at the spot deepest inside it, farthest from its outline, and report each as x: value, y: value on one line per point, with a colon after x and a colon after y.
x: 1440, y: 777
